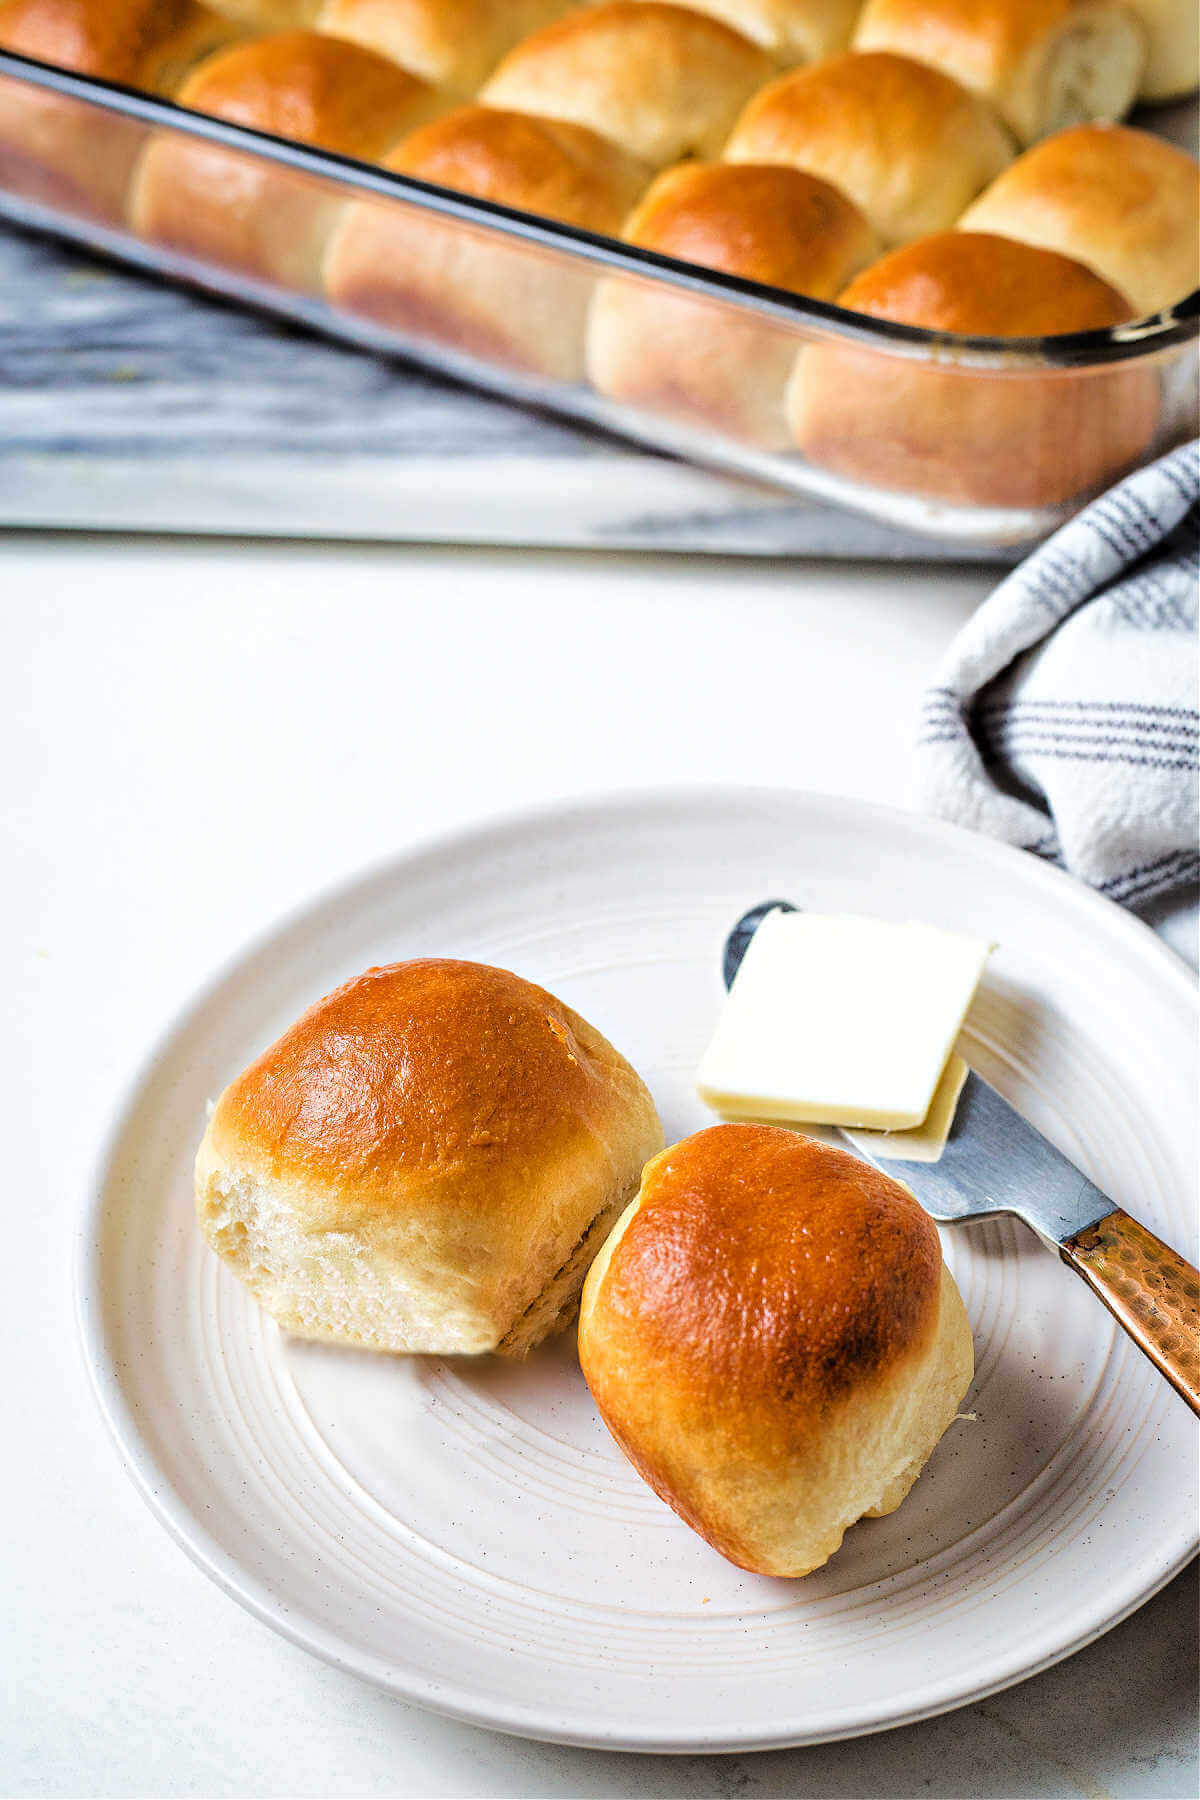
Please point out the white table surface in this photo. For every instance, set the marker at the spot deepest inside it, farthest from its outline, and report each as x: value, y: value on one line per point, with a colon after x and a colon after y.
x: 195, y: 738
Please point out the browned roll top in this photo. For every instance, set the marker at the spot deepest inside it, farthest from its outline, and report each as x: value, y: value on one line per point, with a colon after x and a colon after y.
x: 768, y: 224
x: 238, y: 210
x: 985, y: 286
x: 661, y: 80
x: 545, y: 166
x: 1002, y: 438
x: 108, y: 41
x: 1122, y: 201
x: 769, y: 1266
x: 903, y: 141
x: 426, y: 1161
x: 671, y: 353
x: 772, y: 1339
x: 64, y: 151
x: 432, y: 1070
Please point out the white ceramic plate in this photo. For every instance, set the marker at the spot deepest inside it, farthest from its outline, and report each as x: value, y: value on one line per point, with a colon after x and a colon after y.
x: 465, y: 1534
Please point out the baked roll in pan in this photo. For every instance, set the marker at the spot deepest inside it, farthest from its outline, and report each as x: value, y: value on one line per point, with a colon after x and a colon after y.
x: 660, y: 80
x: 483, y: 293
x: 907, y: 144
x: 269, y: 222
x: 452, y: 43
x: 1043, y: 64
x: 973, y: 437
x: 1122, y: 201
x: 680, y: 357
x: 57, y: 150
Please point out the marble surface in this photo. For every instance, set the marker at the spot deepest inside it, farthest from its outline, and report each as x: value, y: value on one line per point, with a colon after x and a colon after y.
x: 198, y: 736
x: 128, y: 404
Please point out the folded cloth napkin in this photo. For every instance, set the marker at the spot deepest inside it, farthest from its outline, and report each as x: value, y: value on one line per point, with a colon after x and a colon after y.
x: 1064, y: 718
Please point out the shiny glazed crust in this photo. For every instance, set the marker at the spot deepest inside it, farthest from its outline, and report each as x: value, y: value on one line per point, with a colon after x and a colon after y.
x: 794, y: 31
x: 669, y: 353
x: 110, y: 41
x: 992, y: 439
x: 1044, y: 64
x: 415, y: 1162
x: 985, y: 286
x: 486, y: 296
x: 662, y: 81
x: 52, y: 150
x: 316, y: 89
x: 269, y: 15
x: 452, y: 43
x: 545, y: 166
x: 768, y: 224
x: 1122, y: 201
x: 907, y: 144
x: 212, y: 203
x: 771, y: 1338
x: 149, y: 44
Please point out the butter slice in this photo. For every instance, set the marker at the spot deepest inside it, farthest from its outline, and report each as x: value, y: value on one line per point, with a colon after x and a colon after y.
x: 839, y: 1020
x: 925, y: 1142
x: 922, y: 1143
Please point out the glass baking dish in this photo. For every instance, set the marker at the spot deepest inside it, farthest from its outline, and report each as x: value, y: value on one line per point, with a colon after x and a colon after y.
x: 977, y: 442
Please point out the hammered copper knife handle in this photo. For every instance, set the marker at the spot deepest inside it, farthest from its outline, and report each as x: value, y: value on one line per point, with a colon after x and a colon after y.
x: 1150, y: 1291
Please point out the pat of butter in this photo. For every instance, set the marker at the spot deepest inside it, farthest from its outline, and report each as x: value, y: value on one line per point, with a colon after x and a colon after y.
x: 925, y: 1142
x: 838, y: 1020
x: 921, y: 1143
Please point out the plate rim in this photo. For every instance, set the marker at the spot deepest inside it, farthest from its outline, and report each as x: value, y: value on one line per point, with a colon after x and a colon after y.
x: 255, y: 1596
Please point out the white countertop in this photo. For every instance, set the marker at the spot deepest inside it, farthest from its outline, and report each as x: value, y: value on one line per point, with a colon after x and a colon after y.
x: 198, y: 737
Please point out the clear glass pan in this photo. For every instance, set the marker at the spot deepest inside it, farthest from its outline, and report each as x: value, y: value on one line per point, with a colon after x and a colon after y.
x: 978, y: 442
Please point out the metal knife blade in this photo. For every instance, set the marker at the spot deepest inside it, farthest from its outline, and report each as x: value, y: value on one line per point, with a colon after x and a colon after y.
x: 996, y: 1162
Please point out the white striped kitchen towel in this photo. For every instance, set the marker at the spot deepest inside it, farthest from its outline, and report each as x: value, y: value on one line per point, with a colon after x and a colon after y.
x: 1064, y: 718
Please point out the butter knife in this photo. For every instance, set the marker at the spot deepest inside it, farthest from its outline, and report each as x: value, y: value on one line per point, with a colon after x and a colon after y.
x: 995, y: 1162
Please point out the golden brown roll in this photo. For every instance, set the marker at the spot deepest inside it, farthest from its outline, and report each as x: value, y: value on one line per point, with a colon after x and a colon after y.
x: 985, y: 438
x: 661, y: 80
x: 479, y: 292
x: 269, y: 15
x: 426, y: 1161
x: 907, y: 144
x: 452, y: 43
x: 62, y: 151
x: 773, y: 1340
x: 1125, y: 203
x: 794, y: 31
x: 1043, y: 64
x: 269, y: 222
x: 1172, y: 29
x: 687, y: 359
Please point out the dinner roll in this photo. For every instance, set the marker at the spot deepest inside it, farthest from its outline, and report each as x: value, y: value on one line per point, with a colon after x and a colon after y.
x: 661, y: 80
x: 452, y: 43
x: 426, y: 1161
x: 1042, y: 63
x: 691, y: 359
x: 907, y: 144
x: 1172, y: 29
x: 773, y: 1340
x: 269, y: 15
x: 794, y: 31
x: 63, y: 151
x: 992, y: 438
x: 264, y: 220
x: 480, y: 292
x: 1123, y: 202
